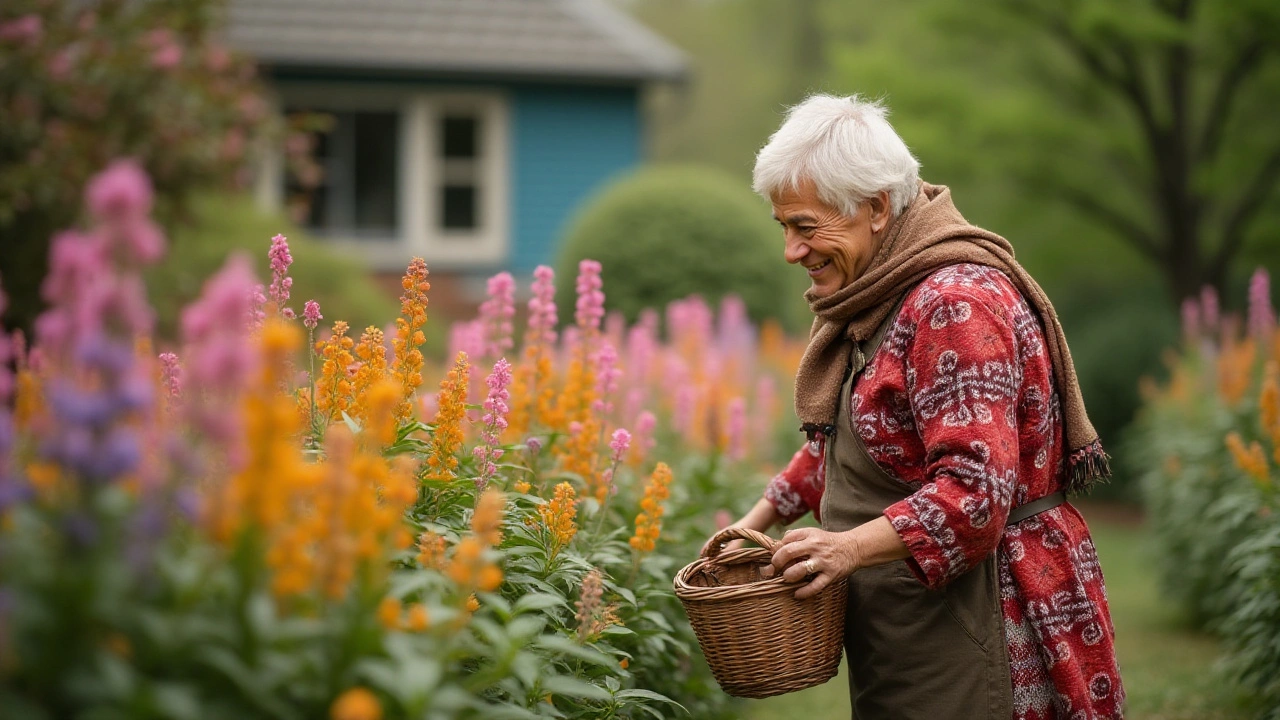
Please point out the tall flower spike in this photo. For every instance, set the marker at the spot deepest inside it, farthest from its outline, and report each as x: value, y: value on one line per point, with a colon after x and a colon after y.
x: 649, y: 521
x: 736, y: 430
x: 590, y: 305
x: 407, y: 368
x: 281, y: 283
x: 442, y: 461
x: 311, y: 316
x: 558, y: 514
x: 488, y: 452
x: 496, y: 314
x: 542, y: 308
x: 1262, y: 317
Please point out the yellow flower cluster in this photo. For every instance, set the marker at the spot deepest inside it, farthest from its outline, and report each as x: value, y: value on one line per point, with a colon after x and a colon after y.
x: 558, y: 514
x: 407, y: 367
x: 333, y: 388
x: 448, y: 436
x: 431, y: 549
x: 580, y: 454
x: 649, y: 521
x: 1250, y: 459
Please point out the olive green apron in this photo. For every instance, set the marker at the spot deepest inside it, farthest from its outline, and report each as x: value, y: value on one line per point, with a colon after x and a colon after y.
x: 912, y: 652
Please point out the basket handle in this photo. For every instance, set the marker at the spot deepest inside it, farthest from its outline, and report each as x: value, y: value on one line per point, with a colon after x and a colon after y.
x: 738, y: 533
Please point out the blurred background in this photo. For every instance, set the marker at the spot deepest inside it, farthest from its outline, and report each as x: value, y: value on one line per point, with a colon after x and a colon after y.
x: 1127, y: 148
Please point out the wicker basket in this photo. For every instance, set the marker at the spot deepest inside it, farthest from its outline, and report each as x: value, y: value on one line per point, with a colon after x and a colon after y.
x: 758, y: 639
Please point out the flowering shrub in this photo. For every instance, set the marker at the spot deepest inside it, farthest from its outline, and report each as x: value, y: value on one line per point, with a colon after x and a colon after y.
x: 275, y: 519
x: 1207, y: 448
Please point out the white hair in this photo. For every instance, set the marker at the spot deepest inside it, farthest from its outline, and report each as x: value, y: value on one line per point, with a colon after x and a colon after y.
x: 846, y: 147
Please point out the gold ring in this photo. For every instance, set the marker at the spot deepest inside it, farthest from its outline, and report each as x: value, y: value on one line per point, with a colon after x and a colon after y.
x: 808, y: 565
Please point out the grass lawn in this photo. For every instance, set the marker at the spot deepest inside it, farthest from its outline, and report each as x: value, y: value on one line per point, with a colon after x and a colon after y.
x: 1168, y: 670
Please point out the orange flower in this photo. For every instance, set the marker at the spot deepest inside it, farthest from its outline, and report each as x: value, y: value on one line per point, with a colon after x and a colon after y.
x: 333, y: 389
x: 431, y: 549
x: 649, y: 521
x: 356, y: 704
x: 473, y: 603
x: 1235, y: 363
x: 389, y: 613
x: 521, y: 486
x: 486, y: 521
x: 558, y: 515
x: 418, y: 620
x: 407, y: 368
x: 372, y: 356
x: 447, y: 439
x: 1251, y: 460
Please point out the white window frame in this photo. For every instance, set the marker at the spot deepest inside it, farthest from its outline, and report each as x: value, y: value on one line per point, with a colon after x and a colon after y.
x: 420, y: 172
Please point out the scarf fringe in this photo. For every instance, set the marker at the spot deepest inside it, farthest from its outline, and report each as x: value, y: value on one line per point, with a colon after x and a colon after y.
x: 1086, y: 467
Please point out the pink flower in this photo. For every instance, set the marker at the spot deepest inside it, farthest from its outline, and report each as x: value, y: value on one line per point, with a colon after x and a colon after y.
x: 281, y: 283
x: 311, y: 316
x: 736, y: 430
x: 257, y: 299
x: 542, y: 307
x: 59, y: 66
x: 1262, y: 317
x: 1209, y: 307
x: 620, y: 443
x: 590, y: 306
x: 534, y: 445
x: 28, y: 29
x: 171, y: 374
x: 496, y: 314
x: 220, y: 358
x: 494, y: 420
x: 607, y: 375
x: 1190, y: 319
x: 646, y: 423
x: 122, y: 191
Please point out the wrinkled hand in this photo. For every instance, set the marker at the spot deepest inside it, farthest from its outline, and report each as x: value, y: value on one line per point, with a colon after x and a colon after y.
x: 834, y: 556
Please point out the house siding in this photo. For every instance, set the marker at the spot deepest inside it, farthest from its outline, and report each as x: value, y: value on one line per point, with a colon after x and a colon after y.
x: 567, y: 142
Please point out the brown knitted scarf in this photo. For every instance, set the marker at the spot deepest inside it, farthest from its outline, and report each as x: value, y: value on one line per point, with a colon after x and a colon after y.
x: 929, y: 235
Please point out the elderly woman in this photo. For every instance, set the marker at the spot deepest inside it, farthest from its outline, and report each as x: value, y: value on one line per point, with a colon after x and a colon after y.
x: 945, y: 425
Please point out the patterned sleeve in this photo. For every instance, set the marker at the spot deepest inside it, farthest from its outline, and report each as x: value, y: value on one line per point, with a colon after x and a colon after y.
x: 798, y: 488
x: 963, y: 378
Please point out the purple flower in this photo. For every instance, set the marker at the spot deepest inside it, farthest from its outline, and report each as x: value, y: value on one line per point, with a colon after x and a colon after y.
x: 311, y: 316
x: 590, y: 305
x: 534, y: 445
x: 1262, y: 317
x: 1209, y: 307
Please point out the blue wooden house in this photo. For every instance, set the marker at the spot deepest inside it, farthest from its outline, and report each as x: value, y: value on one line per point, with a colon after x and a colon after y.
x: 463, y: 131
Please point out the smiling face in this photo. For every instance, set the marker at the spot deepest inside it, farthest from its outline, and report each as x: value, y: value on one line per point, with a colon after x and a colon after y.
x: 835, y: 248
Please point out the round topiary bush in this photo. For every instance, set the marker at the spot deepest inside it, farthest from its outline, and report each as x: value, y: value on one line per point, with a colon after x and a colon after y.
x: 664, y: 233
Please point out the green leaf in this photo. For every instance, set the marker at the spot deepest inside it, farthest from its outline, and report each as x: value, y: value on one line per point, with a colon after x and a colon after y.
x: 564, y: 646
x: 573, y: 687
x: 538, y: 601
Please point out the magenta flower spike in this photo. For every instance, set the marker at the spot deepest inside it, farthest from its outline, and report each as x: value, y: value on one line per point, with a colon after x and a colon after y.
x: 1262, y: 316
x: 497, y: 314
x: 311, y: 316
x: 494, y: 421
x: 281, y: 283
x: 736, y: 430
x: 619, y: 444
x: 542, y: 307
x: 590, y: 305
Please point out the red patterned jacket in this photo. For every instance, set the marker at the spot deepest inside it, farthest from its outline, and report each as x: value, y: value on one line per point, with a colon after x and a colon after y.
x: 960, y: 403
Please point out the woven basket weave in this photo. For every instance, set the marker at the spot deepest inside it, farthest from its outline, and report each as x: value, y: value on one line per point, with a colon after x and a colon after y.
x: 758, y: 639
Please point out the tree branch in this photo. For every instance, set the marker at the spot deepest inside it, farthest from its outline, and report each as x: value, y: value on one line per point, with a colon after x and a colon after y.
x: 1244, y: 65
x: 1126, y: 227
x: 1238, y: 219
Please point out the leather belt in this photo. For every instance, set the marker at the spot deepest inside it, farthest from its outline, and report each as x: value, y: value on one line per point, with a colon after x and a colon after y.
x: 1035, y: 507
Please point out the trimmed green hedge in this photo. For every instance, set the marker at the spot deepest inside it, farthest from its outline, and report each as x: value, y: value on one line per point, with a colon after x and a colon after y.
x: 664, y: 233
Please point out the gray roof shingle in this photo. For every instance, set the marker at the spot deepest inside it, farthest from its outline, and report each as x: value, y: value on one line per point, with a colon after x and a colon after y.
x: 580, y: 39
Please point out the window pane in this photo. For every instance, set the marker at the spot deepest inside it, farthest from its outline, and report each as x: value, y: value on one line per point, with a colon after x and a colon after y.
x: 458, y: 136
x: 459, y: 205
x: 377, y: 138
